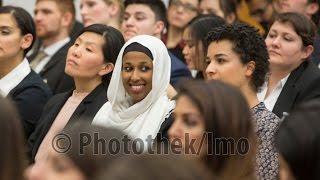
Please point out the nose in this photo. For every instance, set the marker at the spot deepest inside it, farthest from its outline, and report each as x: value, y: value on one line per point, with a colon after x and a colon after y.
x: 34, y: 172
x: 37, y: 17
x: 276, y: 42
x: 135, y: 76
x: 185, y: 50
x: 129, y: 22
x: 83, y: 10
x: 210, y: 70
x: 175, y: 130
x: 75, y: 51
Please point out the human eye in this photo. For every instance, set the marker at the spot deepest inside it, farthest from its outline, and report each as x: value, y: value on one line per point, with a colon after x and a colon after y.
x: 140, y: 17
x: 208, y: 60
x: 127, y: 68
x: 271, y: 35
x: 89, y: 49
x: 189, y: 120
x: 91, y: 4
x: 5, y: 31
x: 288, y: 38
x: 220, y: 60
x: 145, y: 68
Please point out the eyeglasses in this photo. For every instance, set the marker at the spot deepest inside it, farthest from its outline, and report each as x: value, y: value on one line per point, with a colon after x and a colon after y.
x: 186, y: 6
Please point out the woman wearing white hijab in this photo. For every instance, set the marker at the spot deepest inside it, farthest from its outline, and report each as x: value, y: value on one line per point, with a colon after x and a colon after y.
x: 138, y: 103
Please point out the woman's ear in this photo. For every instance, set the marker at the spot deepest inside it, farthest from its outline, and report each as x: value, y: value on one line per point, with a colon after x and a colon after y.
x: 26, y: 41
x: 307, y: 52
x: 251, y: 66
x: 106, y: 69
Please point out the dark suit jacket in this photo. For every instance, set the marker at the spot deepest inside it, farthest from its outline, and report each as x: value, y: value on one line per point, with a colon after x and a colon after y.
x: 53, y: 72
x: 86, y: 110
x: 30, y: 96
x: 178, y: 70
x: 303, y: 84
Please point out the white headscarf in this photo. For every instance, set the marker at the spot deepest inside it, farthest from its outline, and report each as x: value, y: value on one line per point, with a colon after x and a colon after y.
x: 145, y: 117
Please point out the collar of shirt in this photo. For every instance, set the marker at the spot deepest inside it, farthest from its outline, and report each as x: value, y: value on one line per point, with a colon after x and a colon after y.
x: 273, y: 95
x: 11, y: 80
x: 53, y: 48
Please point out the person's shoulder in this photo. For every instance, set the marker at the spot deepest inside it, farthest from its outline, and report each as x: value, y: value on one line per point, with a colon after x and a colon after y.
x: 32, y: 83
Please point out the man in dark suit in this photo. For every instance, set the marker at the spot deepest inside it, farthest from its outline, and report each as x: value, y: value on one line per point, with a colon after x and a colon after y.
x: 54, y: 20
x: 154, y: 22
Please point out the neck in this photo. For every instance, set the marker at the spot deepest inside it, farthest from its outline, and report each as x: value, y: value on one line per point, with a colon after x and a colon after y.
x: 275, y: 76
x: 53, y: 39
x: 250, y: 95
x: 174, y: 36
x: 7, y: 65
x: 114, y: 23
x: 86, y: 85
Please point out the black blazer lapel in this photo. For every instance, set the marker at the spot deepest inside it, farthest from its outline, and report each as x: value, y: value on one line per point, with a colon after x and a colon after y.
x: 289, y: 92
x: 90, y: 105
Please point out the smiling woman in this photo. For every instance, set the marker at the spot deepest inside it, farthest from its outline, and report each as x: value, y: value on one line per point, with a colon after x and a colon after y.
x: 138, y: 104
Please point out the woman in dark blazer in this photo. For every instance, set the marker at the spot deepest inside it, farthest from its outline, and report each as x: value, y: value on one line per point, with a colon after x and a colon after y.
x: 17, y: 81
x: 294, y: 78
x: 89, y: 61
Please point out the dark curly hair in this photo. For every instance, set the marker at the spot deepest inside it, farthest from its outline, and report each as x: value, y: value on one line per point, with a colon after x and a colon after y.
x: 248, y: 44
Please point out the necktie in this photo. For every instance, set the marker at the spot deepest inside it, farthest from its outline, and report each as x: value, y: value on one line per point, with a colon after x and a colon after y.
x: 41, y: 55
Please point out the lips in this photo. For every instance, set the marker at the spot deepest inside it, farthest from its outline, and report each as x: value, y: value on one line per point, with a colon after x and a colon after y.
x: 137, y: 89
x: 272, y: 52
x: 72, y: 62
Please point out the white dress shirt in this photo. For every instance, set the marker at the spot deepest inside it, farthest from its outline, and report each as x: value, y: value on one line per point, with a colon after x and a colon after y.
x: 273, y: 96
x: 50, y: 51
x: 14, y: 77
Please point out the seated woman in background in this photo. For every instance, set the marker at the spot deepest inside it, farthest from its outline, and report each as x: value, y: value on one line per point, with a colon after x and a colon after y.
x: 17, y: 81
x: 108, y: 12
x: 194, y: 37
x: 12, y: 160
x: 237, y: 55
x: 90, y: 62
x: 77, y: 161
x: 215, y: 112
x: 293, y: 77
x: 138, y: 104
x: 298, y: 142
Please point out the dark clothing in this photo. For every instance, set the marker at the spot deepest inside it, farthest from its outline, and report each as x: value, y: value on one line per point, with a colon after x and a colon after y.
x: 30, y: 96
x: 53, y: 72
x: 86, y: 110
x: 303, y: 84
x: 178, y: 70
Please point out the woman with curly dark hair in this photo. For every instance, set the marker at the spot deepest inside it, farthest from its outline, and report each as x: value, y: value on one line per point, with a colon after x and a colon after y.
x: 238, y: 55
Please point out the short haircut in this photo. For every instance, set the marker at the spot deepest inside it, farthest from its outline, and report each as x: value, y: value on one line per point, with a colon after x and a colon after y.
x: 65, y: 6
x: 248, y: 44
x: 303, y: 26
x: 156, y: 6
x: 24, y: 21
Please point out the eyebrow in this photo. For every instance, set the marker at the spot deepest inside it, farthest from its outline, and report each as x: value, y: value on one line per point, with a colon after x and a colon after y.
x: 3, y: 27
x: 219, y: 55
